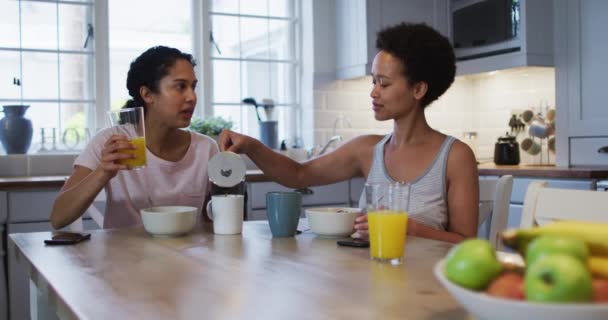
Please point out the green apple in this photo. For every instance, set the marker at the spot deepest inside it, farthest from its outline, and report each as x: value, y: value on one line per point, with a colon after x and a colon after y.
x: 549, y: 244
x: 472, y: 264
x: 558, y: 278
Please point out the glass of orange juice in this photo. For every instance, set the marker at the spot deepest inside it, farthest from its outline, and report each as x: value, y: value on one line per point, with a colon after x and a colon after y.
x: 130, y: 122
x: 387, y: 219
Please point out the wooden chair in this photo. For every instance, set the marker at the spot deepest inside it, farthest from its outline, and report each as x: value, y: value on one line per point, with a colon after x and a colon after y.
x: 543, y: 205
x: 494, y: 196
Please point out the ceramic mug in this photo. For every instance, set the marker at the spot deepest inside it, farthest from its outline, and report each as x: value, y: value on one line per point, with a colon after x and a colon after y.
x: 226, y: 212
x: 540, y: 129
x: 283, y: 210
x: 530, y: 146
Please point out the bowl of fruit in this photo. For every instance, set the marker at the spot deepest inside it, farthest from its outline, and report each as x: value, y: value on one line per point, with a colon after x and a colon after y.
x: 558, y: 271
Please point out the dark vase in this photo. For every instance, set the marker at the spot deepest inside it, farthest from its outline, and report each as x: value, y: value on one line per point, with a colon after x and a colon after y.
x: 15, y: 130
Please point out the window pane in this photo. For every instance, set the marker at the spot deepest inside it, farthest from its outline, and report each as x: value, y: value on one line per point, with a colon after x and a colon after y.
x: 254, y: 38
x: 280, y: 8
x: 9, y: 24
x: 256, y: 80
x: 280, y: 33
x: 74, y: 77
x: 254, y: 7
x: 73, y: 27
x: 226, y: 81
x: 9, y: 70
x: 282, y: 83
x: 45, y: 118
x: 40, y: 76
x: 39, y: 25
x: 233, y: 112
x: 73, y: 132
x: 167, y: 23
x: 226, y: 36
x: 225, y: 6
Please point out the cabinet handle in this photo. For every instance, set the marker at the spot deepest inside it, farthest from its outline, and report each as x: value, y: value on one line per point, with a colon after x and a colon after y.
x: 603, y: 149
x: 305, y: 191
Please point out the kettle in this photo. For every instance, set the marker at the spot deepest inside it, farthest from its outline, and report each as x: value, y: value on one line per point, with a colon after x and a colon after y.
x: 506, y: 151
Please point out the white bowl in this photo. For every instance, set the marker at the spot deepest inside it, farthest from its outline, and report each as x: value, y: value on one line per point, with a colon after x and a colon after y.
x: 332, y: 221
x: 169, y: 221
x: 484, y: 306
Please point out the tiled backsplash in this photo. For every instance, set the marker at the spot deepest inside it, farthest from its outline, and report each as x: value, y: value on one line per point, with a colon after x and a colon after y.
x: 481, y: 103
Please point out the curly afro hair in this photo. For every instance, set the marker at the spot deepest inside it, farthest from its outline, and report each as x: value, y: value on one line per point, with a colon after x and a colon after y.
x: 425, y: 54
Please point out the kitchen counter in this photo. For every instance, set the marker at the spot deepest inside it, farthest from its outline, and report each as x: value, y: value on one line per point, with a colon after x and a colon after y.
x: 490, y: 169
x: 485, y: 169
x: 15, y: 183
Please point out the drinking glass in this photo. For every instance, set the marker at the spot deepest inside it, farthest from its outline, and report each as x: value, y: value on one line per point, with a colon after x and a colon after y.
x: 130, y: 122
x: 387, y: 219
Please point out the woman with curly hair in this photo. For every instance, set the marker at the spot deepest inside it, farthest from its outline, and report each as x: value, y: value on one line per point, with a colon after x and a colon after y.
x: 415, y: 65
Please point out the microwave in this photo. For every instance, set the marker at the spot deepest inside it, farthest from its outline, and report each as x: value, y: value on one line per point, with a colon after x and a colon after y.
x: 483, y: 28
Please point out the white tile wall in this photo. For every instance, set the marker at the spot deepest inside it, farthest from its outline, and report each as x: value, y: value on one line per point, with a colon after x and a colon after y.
x: 481, y: 103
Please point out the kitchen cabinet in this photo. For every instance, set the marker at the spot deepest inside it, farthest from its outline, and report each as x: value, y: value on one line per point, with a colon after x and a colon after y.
x: 581, y: 67
x: 532, y: 47
x: 26, y: 211
x: 358, y: 21
x: 336, y: 194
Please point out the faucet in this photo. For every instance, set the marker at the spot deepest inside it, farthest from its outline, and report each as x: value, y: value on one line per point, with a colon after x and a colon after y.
x: 336, y: 138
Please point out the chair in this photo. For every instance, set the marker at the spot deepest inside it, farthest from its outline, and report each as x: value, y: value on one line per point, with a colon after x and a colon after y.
x: 543, y: 205
x: 494, y: 196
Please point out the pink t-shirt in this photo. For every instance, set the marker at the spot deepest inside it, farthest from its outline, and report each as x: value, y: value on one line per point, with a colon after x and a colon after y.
x: 160, y: 183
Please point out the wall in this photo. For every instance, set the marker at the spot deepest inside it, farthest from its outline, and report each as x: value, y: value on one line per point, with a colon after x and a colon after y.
x: 481, y: 103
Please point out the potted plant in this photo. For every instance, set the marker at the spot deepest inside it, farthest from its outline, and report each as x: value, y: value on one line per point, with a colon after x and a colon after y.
x: 211, y: 126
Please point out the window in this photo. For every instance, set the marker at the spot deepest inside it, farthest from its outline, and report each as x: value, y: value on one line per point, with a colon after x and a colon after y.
x: 47, y: 62
x: 135, y: 26
x: 68, y: 60
x: 253, y: 54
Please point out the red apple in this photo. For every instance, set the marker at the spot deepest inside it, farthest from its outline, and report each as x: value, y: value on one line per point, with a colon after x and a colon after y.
x: 600, y: 290
x: 508, y: 285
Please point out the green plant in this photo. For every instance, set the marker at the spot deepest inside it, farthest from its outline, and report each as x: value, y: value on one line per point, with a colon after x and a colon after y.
x: 211, y: 126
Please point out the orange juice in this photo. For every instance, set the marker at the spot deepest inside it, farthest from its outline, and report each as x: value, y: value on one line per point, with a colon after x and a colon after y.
x: 387, y: 234
x: 140, y: 153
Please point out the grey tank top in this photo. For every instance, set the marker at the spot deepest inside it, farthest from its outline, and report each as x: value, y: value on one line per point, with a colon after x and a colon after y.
x: 426, y: 195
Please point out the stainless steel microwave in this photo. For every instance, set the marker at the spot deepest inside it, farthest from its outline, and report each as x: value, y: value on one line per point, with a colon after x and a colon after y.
x: 483, y: 28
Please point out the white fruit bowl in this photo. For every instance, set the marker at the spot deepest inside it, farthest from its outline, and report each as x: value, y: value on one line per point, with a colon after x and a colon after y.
x: 332, y: 221
x: 169, y: 221
x: 484, y: 306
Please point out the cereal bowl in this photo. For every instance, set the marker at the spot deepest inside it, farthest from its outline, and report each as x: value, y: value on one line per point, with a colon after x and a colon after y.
x: 332, y: 221
x: 169, y: 221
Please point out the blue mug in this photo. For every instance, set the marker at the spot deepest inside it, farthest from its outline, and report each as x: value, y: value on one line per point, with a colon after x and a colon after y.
x: 283, y: 210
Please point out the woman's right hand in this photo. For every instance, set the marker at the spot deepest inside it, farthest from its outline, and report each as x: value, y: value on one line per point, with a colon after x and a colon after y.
x: 234, y: 142
x: 110, y: 155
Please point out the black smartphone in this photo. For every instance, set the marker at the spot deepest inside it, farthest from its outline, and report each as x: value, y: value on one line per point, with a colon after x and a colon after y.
x: 356, y: 243
x: 65, y: 238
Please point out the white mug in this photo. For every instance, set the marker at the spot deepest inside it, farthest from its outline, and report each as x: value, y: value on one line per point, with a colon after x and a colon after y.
x: 226, y: 212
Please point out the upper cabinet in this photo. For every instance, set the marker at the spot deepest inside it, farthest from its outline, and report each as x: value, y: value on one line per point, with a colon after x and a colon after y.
x: 358, y: 21
x: 581, y: 67
x: 491, y: 35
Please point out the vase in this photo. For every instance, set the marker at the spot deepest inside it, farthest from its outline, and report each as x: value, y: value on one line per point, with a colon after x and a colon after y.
x: 15, y: 130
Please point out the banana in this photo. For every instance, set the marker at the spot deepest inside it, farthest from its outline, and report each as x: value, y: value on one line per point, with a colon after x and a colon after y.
x: 598, y: 266
x: 595, y: 235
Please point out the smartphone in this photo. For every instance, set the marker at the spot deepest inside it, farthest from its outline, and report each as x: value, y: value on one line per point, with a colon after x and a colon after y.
x: 65, y: 238
x: 356, y: 243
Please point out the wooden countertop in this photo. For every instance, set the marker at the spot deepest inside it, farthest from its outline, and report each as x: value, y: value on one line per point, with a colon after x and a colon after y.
x: 490, y: 169
x: 127, y: 274
x: 15, y: 183
x: 485, y: 169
